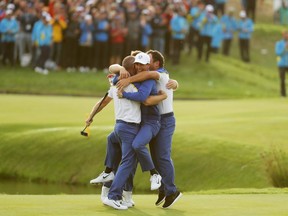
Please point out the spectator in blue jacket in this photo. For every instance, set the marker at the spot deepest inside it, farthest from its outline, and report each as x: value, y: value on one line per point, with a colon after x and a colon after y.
x: 159, y: 29
x: 229, y: 25
x: 8, y: 27
x: 146, y: 30
x: 101, y: 38
x: 281, y: 50
x: 2, y: 16
x: 86, y: 44
x: 207, y: 23
x: 179, y: 28
x: 42, y: 33
x: 245, y: 28
x: 217, y: 38
x: 194, y: 14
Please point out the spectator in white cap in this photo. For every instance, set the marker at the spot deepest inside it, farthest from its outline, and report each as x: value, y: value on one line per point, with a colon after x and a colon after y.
x: 8, y: 28
x: 245, y: 28
x: 42, y: 34
x: 207, y: 23
x: 11, y: 7
x: 86, y: 44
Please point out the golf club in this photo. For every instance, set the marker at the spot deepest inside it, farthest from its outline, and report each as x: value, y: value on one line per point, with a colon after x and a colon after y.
x: 83, y: 133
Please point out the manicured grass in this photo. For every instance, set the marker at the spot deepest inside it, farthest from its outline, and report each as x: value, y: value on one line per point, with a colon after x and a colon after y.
x: 217, y: 144
x: 217, y: 204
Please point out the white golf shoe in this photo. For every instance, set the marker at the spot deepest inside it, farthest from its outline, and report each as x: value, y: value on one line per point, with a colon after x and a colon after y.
x: 127, y: 199
x: 116, y: 204
x: 104, y: 193
x: 102, y: 178
x: 155, y: 181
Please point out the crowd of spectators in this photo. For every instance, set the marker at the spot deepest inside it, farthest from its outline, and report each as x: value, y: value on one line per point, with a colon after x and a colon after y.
x: 89, y: 35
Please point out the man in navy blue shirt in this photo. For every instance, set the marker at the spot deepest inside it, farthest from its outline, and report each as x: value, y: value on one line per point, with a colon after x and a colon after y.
x: 150, y: 119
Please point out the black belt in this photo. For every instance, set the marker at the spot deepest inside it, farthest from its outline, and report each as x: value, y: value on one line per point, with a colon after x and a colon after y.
x: 167, y: 115
x: 128, y: 123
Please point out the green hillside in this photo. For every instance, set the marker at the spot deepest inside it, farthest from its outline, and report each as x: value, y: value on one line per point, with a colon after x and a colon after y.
x: 223, y: 77
x: 217, y: 144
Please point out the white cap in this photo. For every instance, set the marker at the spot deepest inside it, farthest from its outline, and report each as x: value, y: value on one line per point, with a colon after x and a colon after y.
x: 11, y: 6
x: 45, y: 13
x: 48, y: 18
x: 79, y: 8
x: 145, y: 11
x: 242, y: 14
x: 142, y: 58
x: 209, y: 8
x: 90, y: 2
x: 8, y: 11
x: 88, y: 17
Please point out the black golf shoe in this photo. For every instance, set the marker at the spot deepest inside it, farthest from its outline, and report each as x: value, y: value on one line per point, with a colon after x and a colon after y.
x: 161, y: 198
x: 171, y: 199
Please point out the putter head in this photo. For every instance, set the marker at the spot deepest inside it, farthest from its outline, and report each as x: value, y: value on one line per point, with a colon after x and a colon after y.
x: 83, y: 133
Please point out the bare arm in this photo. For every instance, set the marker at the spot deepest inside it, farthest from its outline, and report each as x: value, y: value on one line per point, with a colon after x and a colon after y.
x: 137, y: 78
x: 155, y: 99
x: 116, y: 68
x: 94, y: 110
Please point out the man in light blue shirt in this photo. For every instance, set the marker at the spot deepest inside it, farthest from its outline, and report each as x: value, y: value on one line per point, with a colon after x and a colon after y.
x: 42, y: 37
x: 281, y: 50
x: 206, y: 24
x: 8, y: 28
x: 194, y: 14
x: 245, y: 28
x: 101, y: 41
x: 229, y: 25
x: 179, y: 28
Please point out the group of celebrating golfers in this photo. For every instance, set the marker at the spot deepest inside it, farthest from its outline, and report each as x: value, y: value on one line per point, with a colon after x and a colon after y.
x: 143, y: 105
